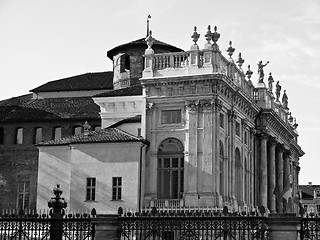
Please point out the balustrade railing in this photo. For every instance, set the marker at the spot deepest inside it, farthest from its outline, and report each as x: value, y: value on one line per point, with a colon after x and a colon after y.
x: 170, y: 60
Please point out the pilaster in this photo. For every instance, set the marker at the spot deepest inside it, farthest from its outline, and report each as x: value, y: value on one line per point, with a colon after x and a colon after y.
x: 191, y: 156
x: 272, y: 176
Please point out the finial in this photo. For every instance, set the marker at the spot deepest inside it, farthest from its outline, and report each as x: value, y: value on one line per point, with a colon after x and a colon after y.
x: 215, y: 36
x: 195, y: 36
x: 149, y: 16
x: 240, y: 60
x: 208, y: 37
x: 149, y: 41
x: 249, y: 73
x: 230, y: 49
x: 86, y: 128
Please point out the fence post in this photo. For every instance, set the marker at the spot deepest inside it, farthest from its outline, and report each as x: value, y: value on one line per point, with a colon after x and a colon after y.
x: 283, y: 226
x: 57, y: 205
x: 107, y: 227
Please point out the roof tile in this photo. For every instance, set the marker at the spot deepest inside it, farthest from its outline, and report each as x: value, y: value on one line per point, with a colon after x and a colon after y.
x: 98, y: 136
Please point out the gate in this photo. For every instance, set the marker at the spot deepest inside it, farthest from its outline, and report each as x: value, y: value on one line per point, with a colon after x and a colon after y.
x: 192, y: 225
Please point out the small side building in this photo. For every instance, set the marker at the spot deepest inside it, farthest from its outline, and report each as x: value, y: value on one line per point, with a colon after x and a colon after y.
x: 97, y: 169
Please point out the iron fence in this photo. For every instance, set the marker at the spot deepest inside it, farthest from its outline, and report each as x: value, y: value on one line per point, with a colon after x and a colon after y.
x: 192, y: 225
x: 310, y: 228
x: 39, y: 226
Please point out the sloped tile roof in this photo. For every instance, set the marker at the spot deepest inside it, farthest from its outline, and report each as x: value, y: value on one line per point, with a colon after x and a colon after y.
x: 134, y: 119
x: 142, y: 42
x: 98, y: 136
x: 87, y: 81
x: 10, y: 105
x: 50, y: 109
x: 135, y: 90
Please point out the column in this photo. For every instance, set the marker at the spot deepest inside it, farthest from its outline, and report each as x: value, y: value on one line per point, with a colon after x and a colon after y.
x: 263, y: 171
x: 272, y: 176
x: 286, y: 181
x: 279, y: 179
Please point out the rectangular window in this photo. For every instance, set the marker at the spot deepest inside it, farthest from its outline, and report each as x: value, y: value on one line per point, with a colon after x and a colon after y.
x: 305, y: 207
x: 57, y: 133
x: 23, y: 195
x: 318, y: 208
x: 238, y: 129
x: 19, y: 136
x: 116, y: 188
x: 170, y: 116
x: 222, y: 120
x: 91, y: 189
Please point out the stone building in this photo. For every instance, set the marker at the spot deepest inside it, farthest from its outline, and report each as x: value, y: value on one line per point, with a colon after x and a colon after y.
x: 310, y: 198
x: 56, y: 110
x: 209, y: 137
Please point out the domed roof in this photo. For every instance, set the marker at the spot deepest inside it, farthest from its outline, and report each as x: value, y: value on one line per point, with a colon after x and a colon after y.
x: 142, y: 43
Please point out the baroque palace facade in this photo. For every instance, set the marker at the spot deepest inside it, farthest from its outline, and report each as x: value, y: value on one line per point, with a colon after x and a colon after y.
x: 179, y: 129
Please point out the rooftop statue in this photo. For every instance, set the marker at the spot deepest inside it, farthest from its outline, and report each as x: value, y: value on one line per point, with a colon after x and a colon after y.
x: 260, y: 71
x: 270, y: 82
x: 278, y: 89
x: 284, y: 99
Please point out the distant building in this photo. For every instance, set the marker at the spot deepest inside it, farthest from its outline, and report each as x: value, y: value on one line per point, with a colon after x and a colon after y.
x: 179, y: 129
x: 310, y: 198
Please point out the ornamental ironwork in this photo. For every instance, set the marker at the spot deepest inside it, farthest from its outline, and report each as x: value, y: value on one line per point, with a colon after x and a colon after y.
x: 192, y: 225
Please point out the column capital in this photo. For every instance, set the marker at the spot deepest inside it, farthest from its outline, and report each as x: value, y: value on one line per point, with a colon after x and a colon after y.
x: 206, y: 105
x: 218, y: 104
x: 263, y: 134
x: 273, y: 141
x: 149, y: 106
x: 232, y: 114
x: 192, y: 105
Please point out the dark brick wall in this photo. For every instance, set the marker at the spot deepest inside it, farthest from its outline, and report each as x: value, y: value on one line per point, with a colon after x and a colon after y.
x: 19, y: 162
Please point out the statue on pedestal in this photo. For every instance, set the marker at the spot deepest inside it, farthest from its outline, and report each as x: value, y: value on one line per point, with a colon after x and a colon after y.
x: 260, y: 71
x: 270, y: 82
x: 278, y: 89
x: 285, y: 99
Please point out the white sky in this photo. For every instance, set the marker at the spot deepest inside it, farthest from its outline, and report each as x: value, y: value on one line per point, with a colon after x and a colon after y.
x: 43, y: 40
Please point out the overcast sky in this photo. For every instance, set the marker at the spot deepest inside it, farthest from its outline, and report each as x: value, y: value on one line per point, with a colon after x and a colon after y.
x: 43, y: 40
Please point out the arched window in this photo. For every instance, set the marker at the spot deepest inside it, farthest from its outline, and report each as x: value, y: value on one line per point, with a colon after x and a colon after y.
x: 38, y: 135
x: 77, y: 130
x: 57, y: 133
x: 170, y: 169
x: 221, y: 152
x: 238, y: 180
x: 19, y: 136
